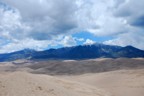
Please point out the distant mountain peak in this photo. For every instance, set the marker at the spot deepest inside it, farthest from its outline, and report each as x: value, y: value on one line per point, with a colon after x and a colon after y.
x: 96, y: 50
x: 29, y: 50
x: 130, y: 46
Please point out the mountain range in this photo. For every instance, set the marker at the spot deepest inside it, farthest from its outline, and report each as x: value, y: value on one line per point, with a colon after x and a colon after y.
x: 76, y: 52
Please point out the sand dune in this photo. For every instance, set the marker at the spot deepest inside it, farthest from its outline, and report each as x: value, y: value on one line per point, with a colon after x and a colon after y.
x: 26, y: 84
x: 100, y: 77
x: 118, y: 83
x: 85, y: 66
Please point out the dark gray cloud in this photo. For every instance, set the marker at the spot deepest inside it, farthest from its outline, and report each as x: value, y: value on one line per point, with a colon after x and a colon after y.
x: 46, y: 17
x: 49, y: 22
x: 138, y: 21
x: 131, y: 11
x: 132, y: 15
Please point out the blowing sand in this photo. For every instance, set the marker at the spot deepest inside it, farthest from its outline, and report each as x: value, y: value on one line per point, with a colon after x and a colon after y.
x: 26, y: 84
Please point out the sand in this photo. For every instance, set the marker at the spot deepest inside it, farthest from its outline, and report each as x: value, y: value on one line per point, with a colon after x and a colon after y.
x: 27, y: 84
x: 110, y: 77
x: 118, y: 83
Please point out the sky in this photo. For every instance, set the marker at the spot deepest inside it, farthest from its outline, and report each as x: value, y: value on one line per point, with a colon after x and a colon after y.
x: 44, y: 24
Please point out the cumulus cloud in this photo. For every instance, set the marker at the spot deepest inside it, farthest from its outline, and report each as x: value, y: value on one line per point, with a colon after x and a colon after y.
x: 54, y: 21
x: 46, y: 17
x: 133, y: 15
x: 37, y: 21
x: 89, y: 42
x: 128, y: 40
x: 68, y: 41
x: 28, y: 43
x: 39, y: 45
x: 132, y: 12
x: 97, y: 17
x: 121, y: 19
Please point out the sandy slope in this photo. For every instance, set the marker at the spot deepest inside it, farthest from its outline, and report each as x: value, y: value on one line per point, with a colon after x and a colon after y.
x: 126, y: 80
x: 119, y: 83
x: 26, y: 84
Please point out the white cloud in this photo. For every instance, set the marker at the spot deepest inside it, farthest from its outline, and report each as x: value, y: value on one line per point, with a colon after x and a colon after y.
x: 28, y: 43
x: 52, y: 22
x: 97, y: 17
x: 89, y: 42
x: 11, y: 27
x: 133, y: 15
x: 35, y: 44
x: 68, y: 41
x: 46, y: 18
x: 133, y: 39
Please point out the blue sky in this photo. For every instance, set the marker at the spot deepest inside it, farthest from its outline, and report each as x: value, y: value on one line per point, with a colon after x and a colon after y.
x: 44, y: 24
x: 88, y: 35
